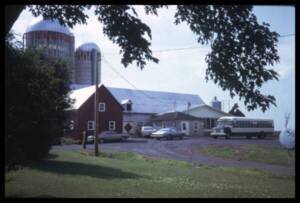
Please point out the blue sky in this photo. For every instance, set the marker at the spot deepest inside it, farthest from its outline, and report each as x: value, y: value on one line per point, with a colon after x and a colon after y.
x: 184, y: 70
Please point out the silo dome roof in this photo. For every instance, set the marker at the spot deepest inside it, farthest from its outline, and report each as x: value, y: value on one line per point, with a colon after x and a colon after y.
x: 88, y: 47
x: 49, y: 25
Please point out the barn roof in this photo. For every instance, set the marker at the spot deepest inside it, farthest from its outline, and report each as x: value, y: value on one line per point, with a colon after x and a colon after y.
x: 143, y: 101
x: 81, y: 95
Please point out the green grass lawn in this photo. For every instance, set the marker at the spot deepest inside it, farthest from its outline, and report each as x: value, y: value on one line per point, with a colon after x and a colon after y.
x: 73, y: 174
x: 256, y: 153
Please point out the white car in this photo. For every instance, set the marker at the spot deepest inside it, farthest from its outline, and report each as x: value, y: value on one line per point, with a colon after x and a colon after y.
x: 167, y: 133
x: 147, y: 131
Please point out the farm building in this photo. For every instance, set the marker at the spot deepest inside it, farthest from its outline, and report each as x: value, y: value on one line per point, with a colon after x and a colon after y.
x: 207, y: 114
x: 140, y: 106
x: 190, y: 125
x: 81, y: 113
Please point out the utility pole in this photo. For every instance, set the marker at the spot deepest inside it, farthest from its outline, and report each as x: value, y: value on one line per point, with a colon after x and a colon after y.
x: 96, y: 114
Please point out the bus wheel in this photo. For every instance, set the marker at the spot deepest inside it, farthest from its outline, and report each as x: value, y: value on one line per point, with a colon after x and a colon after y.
x: 261, y: 135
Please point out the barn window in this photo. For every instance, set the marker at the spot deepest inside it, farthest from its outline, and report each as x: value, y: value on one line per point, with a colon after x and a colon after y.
x: 112, y: 125
x: 101, y: 107
x: 91, y: 125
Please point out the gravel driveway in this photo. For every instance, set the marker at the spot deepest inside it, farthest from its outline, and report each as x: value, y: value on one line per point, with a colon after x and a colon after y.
x: 185, y: 150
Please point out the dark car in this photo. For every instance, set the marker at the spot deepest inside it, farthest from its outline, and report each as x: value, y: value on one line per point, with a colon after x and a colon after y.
x: 167, y: 133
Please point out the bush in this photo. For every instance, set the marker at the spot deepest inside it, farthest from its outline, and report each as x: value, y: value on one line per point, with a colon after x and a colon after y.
x: 35, y: 101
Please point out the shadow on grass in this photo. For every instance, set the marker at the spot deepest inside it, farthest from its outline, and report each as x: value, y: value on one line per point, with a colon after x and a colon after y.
x: 76, y: 168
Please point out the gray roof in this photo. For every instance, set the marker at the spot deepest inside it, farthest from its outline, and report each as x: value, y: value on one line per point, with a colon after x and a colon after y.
x: 145, y: 101
x: 88, y: 47
x: 49, y: 25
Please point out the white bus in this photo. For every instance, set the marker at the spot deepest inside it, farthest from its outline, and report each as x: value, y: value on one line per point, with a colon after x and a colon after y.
x: 249, y: 127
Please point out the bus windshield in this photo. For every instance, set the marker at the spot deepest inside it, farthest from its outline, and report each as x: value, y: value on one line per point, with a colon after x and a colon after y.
x: 223, y: 123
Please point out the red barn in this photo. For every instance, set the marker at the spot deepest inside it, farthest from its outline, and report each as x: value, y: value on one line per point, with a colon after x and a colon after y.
x: 82, y: 112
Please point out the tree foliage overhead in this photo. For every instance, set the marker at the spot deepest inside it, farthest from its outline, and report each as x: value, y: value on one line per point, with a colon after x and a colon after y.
x: 241, y: 48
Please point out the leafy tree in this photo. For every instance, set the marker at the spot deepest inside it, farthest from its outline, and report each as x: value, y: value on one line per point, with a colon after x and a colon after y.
x: 241, y: 48
x: 35, y: 101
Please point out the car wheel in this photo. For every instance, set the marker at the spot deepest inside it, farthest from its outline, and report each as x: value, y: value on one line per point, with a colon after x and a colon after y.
x: 101, y: 141
x: 215, y: 136
x: 248, y: 137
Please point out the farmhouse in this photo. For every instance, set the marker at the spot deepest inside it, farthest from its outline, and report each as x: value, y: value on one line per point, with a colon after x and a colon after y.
x: 189, y: 125
x: 207, y: 114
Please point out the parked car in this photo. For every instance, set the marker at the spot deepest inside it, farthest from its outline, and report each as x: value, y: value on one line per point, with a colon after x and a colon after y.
x: 167, y: 133
x: 108, y: 136
x: 147, y: 131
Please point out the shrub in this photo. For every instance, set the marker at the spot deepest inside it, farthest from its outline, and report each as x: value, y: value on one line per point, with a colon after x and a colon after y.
x: 35, y: 101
